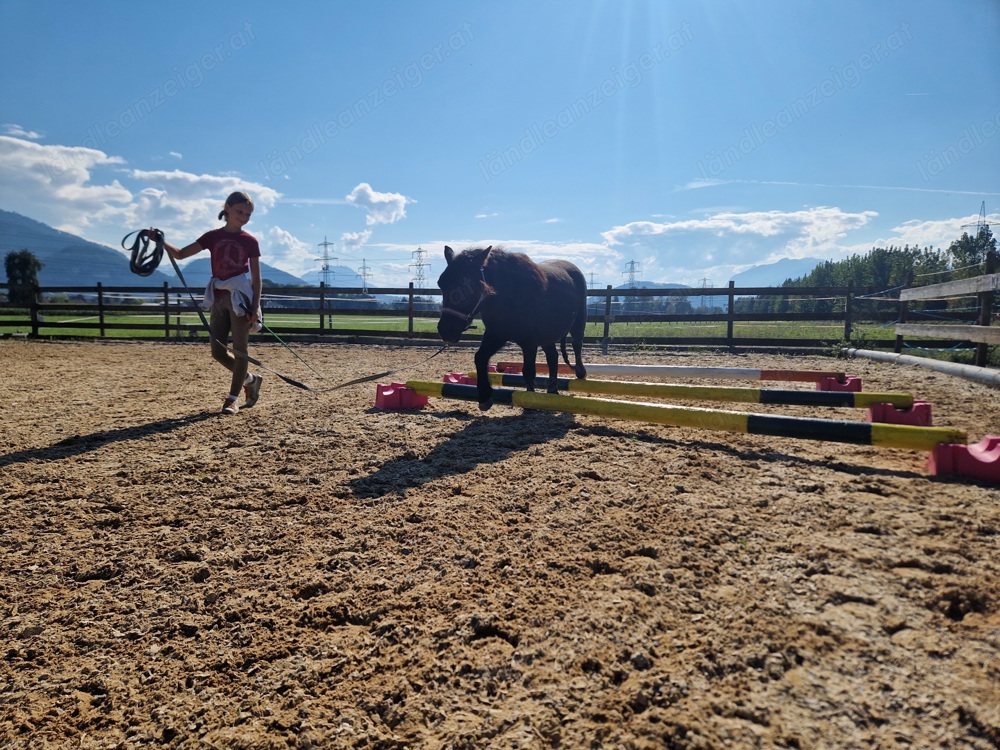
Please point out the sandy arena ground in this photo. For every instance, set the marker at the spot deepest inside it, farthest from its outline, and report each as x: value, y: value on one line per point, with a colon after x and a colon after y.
x: 316, y: 573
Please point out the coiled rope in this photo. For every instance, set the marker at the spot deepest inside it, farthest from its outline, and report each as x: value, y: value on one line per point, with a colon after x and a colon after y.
x: 142, y: 260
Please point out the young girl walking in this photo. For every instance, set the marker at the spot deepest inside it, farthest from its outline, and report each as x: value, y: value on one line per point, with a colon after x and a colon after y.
x: 234, y: 300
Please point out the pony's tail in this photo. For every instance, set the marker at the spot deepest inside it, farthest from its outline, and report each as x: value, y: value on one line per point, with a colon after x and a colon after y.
x: 562, y: 348
x: 578, y: 368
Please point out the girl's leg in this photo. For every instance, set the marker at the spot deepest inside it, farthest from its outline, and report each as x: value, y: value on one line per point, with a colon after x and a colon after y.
x: 241, y: 343
x: 219, y: 325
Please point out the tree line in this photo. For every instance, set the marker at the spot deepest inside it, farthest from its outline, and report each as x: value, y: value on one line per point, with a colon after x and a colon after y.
x: 887, y: 269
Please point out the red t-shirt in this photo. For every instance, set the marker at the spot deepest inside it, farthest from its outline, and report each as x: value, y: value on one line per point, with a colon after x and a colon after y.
x: 231, y: 253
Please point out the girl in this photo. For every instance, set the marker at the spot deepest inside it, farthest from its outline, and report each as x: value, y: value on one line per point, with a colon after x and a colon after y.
x: 233, y: 300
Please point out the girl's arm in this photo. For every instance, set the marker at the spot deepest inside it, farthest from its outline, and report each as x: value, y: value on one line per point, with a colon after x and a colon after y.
x: 258, y: 289
x: 180, y: 253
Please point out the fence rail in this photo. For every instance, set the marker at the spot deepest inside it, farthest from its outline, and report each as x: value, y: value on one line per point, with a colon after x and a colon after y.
x: 983, y: 287
x: 310, y: 311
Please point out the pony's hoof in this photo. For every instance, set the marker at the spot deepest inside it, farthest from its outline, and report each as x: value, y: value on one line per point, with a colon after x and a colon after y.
x: 485, y: 405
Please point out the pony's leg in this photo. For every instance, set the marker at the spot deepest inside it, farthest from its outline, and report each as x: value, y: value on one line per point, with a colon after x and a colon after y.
x: 529, y: 355
x: 581, y: 371
x: 487, y: 349
x: 576, y: 333
x: 552, y: 359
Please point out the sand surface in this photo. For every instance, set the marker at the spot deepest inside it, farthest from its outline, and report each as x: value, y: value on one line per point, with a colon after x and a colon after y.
x: 317, y: 573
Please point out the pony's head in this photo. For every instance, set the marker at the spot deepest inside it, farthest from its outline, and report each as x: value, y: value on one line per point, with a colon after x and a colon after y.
x: 464, y: 288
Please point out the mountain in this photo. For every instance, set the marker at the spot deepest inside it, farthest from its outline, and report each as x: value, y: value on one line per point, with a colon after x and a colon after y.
x: 69, y: 260
x: 341, y: 276
x: 777, y: 273
x: 197, y: 272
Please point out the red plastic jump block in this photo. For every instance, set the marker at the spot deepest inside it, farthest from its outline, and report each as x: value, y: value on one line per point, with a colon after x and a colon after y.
x: 459, y: 377
x: 979, y: 461
x: 396, y: 396
x: 918, y: 415
x: 851, y: 384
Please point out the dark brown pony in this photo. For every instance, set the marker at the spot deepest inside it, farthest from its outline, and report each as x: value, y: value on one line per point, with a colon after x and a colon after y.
x: 535, y: 305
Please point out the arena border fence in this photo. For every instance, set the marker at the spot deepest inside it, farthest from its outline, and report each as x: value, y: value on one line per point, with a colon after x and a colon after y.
x: 96, y: 311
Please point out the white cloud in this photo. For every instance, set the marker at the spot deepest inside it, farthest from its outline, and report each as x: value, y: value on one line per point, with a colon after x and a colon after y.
x: 934, y: 233
x: 381, y: 208
x: 772, y: 234
x: 186, y: 205
x: 724, y: 241
x: 58, y: 185
x: 93, y: 194
x: 285, y: 250
x: 17, y: 131
x: 352, y: 241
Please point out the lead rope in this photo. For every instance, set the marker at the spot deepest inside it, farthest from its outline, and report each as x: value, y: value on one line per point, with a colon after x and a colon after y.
x: 143, y: 263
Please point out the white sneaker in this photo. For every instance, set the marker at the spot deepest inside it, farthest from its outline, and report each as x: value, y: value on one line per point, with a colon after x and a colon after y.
x: 252, y: 391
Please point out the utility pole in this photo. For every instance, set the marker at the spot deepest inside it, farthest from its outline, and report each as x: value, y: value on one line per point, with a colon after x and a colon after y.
x: 419, y: 264
x: 633, y: 268
x: 363, y: 273
x: 707, y: 284
x: 326, y: 273
x: 326, y: 260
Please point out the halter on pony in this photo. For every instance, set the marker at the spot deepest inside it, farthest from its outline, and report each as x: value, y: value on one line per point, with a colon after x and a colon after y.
x: 467, y: 317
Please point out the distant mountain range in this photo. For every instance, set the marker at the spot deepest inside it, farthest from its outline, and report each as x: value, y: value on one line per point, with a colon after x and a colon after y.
x: 770, y: 274
x: 71, y: 261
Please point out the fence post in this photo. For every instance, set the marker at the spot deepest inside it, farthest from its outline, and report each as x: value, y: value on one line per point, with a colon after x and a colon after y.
x: 848, y: 309
x: 410, y: 310
x: 166, y: 310
x: 904, y: 308
x: 35, y: 315
x: 322, y: 302
x: 607, y: 321
x: 986, y: 310
x: 100, y: 307
x: 730, y: 339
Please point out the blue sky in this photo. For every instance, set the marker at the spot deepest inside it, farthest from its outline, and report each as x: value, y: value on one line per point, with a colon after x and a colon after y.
x: 682, y: 141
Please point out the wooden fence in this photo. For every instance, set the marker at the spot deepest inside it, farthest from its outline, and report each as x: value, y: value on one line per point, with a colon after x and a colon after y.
x: 984, y: 288
x: 313, y: 307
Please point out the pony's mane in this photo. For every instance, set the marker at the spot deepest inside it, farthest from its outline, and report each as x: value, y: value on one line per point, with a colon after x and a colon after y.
x: 510, y: 260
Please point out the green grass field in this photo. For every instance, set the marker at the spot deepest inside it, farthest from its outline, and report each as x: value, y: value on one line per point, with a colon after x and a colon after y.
x: 832, y: 332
